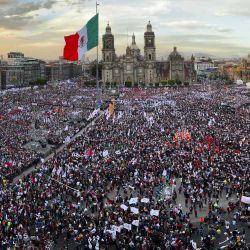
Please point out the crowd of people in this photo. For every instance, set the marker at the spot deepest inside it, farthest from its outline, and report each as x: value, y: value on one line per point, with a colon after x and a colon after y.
x: 49, y: 115
x: 107, y: 188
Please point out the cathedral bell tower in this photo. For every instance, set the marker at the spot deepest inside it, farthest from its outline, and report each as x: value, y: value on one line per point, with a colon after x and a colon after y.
x: 149, y: 44
x: 108, y: 55
x: 108, y: 49
x: 149, y: 56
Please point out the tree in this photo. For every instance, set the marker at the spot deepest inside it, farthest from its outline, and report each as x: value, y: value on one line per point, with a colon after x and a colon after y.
x: 142, y: 84
x: 171, y: 82
x: 93, y: 70
x: 164, y: 82
x: 178, y: 82
x: 128, y: 84
x: 41, y: 81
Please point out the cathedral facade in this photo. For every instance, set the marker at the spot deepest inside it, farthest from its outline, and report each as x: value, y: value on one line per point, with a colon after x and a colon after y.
x: 136, y: 68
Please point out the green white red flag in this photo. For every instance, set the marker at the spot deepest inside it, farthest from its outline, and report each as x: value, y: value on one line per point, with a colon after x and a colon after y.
x: 85, y: 39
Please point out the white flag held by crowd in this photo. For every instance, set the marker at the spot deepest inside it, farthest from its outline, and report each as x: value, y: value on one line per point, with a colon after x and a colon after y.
x: 154, y: 212
x: 245, y: 199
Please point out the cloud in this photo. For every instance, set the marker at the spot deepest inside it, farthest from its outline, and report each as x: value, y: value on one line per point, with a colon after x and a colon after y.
x: 25, y: 8
x: 29, y: 24
x: 6, y: 2
x: 234, y: 8
x: 191, y: 37
x: 15, y: 22
x: 195, y: 24
x: 17, y: 16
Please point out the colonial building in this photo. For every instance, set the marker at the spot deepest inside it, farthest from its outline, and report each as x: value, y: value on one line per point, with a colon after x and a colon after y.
x: 62, y: 70
x: 21, y: 71
x: 136, y: 68
x: 176, y: 68
x: 11, y: 75
x: 246, y: 69
x: 131, y: 67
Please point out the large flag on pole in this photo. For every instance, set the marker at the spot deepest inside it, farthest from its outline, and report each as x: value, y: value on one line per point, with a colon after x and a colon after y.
x: 78, y: 44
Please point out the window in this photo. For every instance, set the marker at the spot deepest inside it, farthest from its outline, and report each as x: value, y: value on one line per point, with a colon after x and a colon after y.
x: 149, y: 57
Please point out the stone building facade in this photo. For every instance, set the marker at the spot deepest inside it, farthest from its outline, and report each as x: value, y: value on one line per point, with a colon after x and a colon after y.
x: 246, y: 69
x: 131, y: 67
x: 62, y: 70
x: 176, y: 68
x: 11, y: 75
x: 142, y: 69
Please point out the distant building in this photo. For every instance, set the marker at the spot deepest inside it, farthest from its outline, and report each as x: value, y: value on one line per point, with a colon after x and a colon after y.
x: 203, y: 65
x: 21, y: 71
x: 14, y: 58
x: 62, y: 70
x: 228, y: 69
x: 24, y: 71
x: 176, y: 68
x: 246, y: 69
x: 34, y: 70
x: 11, y: 76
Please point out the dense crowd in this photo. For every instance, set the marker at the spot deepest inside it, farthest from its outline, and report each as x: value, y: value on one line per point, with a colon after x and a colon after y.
x: 165, y: 170
x: 49, y: 115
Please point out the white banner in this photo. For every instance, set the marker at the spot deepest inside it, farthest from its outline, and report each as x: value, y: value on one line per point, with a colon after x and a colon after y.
x: 245, y: 199
x: 154, y: 212
x: 145, y: 200
x: 135, y: 223
x: 124, y: 207
x: 127, y: 226
x: 105, y: 153
x: 134, y: 210
x: 133, y: 201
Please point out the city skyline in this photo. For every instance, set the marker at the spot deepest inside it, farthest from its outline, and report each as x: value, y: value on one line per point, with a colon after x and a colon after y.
x: 37, y: 28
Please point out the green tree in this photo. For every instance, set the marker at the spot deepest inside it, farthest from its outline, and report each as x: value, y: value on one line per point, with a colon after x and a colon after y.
x: 128, y: 84
x: 178, y: 82
x: 142, y: 84
x: 164, y: 82
x: 93, y: 70
x: 41, y: 82
x: 171, y: 82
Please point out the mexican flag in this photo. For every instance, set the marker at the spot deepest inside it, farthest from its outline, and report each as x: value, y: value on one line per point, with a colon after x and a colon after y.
x: 82, y: 41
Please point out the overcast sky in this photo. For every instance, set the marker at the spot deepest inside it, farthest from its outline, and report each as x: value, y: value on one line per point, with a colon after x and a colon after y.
x: 216, y: 27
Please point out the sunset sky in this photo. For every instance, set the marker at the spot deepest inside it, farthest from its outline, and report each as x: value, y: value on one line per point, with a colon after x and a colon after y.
x: 37, y: 28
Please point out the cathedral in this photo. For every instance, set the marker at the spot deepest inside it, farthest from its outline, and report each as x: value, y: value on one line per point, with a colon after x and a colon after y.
x: 142, y: 69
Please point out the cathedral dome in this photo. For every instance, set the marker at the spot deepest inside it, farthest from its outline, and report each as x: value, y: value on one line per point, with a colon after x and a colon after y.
x: 175, y: 54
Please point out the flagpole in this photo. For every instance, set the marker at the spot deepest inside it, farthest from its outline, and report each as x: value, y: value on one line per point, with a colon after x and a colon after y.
x: 97, y: 76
